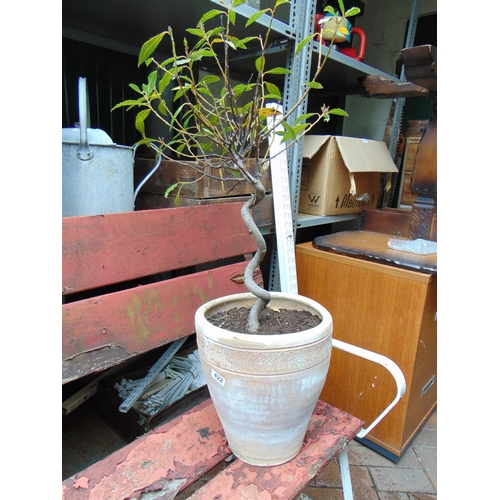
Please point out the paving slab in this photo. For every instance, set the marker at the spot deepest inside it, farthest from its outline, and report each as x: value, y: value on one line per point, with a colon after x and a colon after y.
x: 359, y: 454
x: 402, y: 480
x: 329, y: 479
x: 428, y: 459
x: 390, y: 495
x: 425, y: 438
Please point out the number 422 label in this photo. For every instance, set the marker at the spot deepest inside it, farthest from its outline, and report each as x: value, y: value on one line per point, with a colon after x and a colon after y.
x: 218, y: 378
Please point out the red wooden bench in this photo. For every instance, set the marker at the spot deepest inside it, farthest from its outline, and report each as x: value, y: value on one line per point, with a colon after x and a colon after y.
x: 127, y: 272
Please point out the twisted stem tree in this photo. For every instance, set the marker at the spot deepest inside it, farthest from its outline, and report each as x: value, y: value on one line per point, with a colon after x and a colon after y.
x: 224, y: 130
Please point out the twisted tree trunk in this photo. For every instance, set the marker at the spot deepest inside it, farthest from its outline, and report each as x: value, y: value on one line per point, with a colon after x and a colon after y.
x: 263, y: 296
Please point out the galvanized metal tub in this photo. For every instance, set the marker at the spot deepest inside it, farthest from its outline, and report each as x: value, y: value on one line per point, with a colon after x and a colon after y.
x: 97, y: 175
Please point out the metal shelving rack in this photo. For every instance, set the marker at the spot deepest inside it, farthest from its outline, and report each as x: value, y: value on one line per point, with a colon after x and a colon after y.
x: 300, y: 25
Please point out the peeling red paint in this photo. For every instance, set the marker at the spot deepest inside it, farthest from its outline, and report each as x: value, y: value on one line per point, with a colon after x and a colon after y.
x: 179, y: 452
x: 328, y: 432
x: 174, y: 456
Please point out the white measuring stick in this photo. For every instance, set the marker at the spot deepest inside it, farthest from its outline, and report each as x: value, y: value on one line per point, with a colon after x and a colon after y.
x: 153, y: 371
x: 282, y: 207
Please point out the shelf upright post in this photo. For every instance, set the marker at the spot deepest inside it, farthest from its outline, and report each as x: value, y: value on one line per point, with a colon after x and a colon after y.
x: 410, y: 38
x: 399, y: 103
x: 302, y: 14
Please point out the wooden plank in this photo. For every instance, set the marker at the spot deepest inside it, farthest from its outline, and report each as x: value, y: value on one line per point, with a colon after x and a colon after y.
x: 380, y: 87
x: 104, y: 249
x: 330, y: 429
x: 433, y: 232
x: 103, y: 331
x: 367, y: 245
x: 421, y: 54
x: 357, y: 262
x: 166, y: 460
x: 86, y: 392
x: 420, y: 64
x: 263, y: 213
x: 170, y: 171
x: 393, y: 222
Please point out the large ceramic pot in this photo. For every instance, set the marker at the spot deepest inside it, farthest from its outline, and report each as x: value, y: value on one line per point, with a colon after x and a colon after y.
x: 264, y: 387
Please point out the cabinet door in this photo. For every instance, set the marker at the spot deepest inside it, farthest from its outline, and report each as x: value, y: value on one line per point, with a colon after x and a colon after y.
x: 375, y: 307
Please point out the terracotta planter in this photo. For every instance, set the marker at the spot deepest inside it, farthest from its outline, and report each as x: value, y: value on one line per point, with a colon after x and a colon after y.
x: 264, y: 387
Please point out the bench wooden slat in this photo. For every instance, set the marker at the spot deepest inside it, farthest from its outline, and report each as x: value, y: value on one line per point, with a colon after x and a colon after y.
x: 175, y: 454
x: 329, y: 431
x: 103, y: 331
x: 168, y: 459
x: 105, y: 249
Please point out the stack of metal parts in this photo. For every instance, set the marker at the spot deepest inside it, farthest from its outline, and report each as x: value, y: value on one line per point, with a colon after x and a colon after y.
x: 180, y: 375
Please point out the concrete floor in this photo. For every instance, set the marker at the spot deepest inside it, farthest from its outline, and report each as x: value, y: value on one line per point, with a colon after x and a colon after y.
x: 87, y: 439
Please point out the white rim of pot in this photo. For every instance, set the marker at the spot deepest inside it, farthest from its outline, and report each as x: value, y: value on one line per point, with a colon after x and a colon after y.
x: 264, y: 341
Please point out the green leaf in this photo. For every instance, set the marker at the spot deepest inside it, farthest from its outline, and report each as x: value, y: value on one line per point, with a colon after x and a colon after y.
x: 246, y: 108
x: 200, y: 54
x: 177, y: 196
x: 167, y: 62
x: 255, y: 16
x: 152, y: 81
x: 195, y: 32
x: 242, y: 87
x: 300, y: 127
x: 147, y: 141
x: 303, y: 43
x: 133, y: 86
x: 214, y: 32
x: 241, y: 44
x: 209, y: 79
x: 232, y: 16
x: 180, y: 92
x: 238, y: 2
x: 149, y: 47
x: 341, y: 6
x: 209, y: 15
x: 352, y: 11
x: 273, y: 89
x: 139, y: 120
x: 162, y: 108
x: 260, y: 63
x: 281, y: 2
x: 129, y: 102
x: 314, y: 85
x: 304, y: 117
x: 170, y: 189
x: 235, y: 172
x: 175, y: 115
x: 279, y: 71
x: 289, y: 132
x: 337, y: 111
x: 165, y: 81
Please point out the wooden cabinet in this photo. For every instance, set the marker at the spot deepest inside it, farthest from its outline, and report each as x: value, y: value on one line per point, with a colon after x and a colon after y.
x: 388, y: 310
x: 416, y: 129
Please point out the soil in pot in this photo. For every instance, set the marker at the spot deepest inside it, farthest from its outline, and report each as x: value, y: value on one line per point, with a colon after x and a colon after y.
x: 272, y: 321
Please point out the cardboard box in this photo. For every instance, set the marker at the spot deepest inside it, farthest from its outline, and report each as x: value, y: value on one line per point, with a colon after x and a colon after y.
x: 341, y: 175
